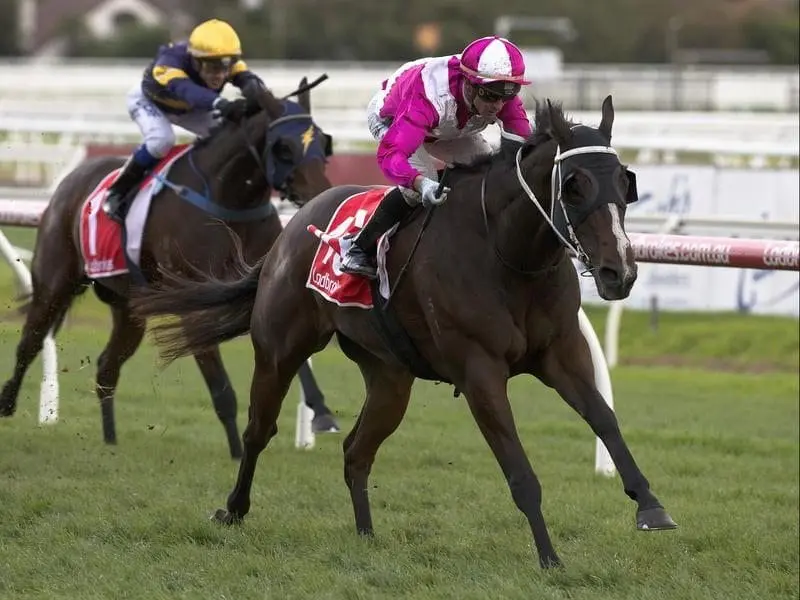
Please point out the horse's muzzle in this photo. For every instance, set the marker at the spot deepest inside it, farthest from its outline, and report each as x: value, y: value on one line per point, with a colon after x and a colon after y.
x: 613, y: 284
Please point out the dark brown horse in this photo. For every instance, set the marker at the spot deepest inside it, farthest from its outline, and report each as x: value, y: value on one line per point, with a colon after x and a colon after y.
x: 490, y: 292
x: 277, y: 147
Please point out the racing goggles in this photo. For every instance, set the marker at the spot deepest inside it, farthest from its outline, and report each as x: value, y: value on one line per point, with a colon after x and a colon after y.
x: 498, y: 91
x: 217, y: 64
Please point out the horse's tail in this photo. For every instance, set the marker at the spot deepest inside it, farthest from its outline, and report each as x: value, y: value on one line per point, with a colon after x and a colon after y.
x: 211, y: 310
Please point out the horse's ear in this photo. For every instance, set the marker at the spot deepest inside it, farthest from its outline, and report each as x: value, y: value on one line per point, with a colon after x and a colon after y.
x: 304, y: 98
x: 559, y: 128
x: 608, y: 117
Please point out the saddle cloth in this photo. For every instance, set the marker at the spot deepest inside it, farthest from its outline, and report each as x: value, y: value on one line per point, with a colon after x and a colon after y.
x: 101, y: 237
x: 325, y: 276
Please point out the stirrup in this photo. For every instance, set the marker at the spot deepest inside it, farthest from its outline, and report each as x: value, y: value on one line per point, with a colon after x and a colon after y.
x: 357, y: 262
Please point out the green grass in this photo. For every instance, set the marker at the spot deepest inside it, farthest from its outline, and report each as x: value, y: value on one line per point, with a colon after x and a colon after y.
x: 717, y: 341
x: 720, y: 448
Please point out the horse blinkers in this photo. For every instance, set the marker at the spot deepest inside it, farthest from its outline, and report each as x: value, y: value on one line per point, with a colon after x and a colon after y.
x: 292, y: 140
x: 327, y: 144
x: 633, y: 192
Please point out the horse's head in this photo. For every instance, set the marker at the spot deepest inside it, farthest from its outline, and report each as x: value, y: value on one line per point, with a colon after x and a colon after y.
x: 296, y: 150
x: 588, y: 190
x: 284, y: 144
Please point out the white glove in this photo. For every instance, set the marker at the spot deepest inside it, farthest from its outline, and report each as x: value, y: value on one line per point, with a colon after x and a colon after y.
x: 428, y: 190
x: 216, y: 108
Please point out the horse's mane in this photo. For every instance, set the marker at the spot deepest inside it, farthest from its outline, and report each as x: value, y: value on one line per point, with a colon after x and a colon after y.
x: 224, y: 129
x: 219, y: 132
x: 543, y: 122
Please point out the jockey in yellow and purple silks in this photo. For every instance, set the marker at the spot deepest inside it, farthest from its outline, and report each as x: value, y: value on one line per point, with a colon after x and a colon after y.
x: 182, y: 87
x: 436, y: 107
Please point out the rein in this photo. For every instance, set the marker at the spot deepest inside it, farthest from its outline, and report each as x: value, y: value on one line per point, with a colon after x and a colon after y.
x: 569, y: 241
x: 261, y: 160
x: 532, y: 274
x: 422, y: 229
x: 572, y: 244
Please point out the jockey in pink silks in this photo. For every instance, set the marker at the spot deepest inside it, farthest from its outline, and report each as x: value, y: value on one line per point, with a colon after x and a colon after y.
x: 436, y: 107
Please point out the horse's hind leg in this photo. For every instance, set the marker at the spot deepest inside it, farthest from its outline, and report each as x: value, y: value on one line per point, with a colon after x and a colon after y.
x: 280, y: 344
x: 567, y: 367
x: 46, y: 312
x: 323, y: 421
x: 388, y: 393
x: 222, y: 395
x: 126, y: 335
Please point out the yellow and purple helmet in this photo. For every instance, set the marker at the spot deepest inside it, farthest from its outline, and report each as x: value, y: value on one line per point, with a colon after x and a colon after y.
x: 214, y: 39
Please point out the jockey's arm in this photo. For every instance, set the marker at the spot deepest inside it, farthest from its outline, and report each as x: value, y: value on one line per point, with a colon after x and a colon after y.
x: 168, y: 72
x: 514, y: 118
x: 244, y: 79
x: 404, y: 136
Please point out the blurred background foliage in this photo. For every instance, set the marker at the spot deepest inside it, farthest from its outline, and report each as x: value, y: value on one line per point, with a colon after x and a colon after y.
x: 608, y: 31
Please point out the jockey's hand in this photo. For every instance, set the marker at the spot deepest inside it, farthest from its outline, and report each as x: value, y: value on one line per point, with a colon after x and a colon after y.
x: 253, y: 89
x: 428, y: 189
x: 230, y: 110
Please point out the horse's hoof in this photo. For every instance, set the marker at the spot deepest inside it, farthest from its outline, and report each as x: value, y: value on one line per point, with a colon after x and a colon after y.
x: 366, y: 532
x: 225, y: 518
x: 324, y: 424
x: 8, y: 403
x: 654, y: 519
x: 236, y: 452
x: 550, y: 562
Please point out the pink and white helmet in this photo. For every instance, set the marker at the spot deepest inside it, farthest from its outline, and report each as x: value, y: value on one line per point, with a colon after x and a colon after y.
x: 490, y: 59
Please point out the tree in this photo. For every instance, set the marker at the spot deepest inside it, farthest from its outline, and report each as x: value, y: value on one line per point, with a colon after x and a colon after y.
x: 9, y: 19
x: 369, y: 30
x: 777, y: 34
x: 132, y: 40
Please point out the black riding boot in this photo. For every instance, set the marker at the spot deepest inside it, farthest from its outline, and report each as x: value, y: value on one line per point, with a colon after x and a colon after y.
x: 360, y: 256
x: 115, y: 205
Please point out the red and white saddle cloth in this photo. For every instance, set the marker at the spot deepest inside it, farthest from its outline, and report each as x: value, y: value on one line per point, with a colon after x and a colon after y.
x: 325, y: 276
x: 101, y: 237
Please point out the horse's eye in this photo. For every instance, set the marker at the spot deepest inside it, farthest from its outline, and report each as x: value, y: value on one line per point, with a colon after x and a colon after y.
x: 571, y: 187
x: 283, y: 151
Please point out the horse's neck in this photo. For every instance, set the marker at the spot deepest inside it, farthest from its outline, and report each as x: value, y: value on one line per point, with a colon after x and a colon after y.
x: 522, y: 236
x: 235, y: 177
x: 242, y: 182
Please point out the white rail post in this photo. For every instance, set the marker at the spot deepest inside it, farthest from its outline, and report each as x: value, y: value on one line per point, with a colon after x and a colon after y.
x: 304, y: 434
x: 603, y: 465
x: 48, y: 394
x: 614, y: 316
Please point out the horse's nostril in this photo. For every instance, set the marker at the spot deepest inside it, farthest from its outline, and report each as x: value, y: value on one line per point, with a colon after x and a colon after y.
x: 610, y: 276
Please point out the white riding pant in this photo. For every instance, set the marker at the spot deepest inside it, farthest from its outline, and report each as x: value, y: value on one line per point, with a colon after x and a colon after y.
x: 457, y: 150
x: 156, y: 126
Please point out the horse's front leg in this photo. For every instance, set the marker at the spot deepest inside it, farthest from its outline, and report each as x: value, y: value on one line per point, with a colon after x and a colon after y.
x: 484, y: 385
x: 567, y: 367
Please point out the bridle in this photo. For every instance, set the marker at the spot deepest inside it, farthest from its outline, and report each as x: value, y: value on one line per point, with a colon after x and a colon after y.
x: 570, y: 240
